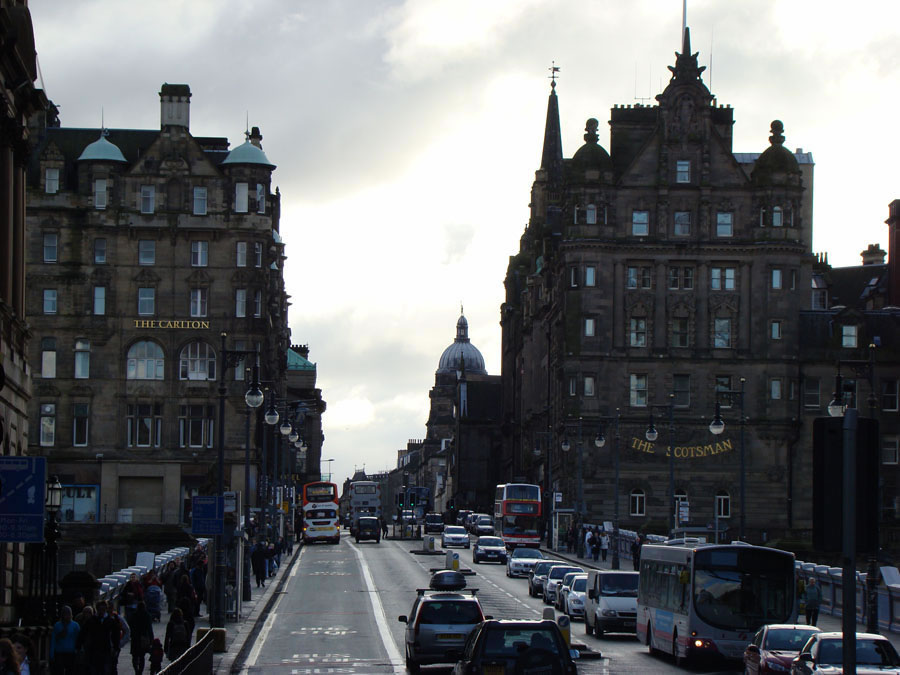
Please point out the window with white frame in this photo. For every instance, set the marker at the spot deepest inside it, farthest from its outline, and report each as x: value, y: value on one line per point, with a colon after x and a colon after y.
x: 100, y: 197
x: 777, y: 217
x: 240, y: 198
x: 146, y: 361
x: 144, y: 425
x: 573, y: 386
x: 260, y: 198
x: 573, y: 277
x: 51, y: 181
x: 257, y: 254
x: 682, y: 223
x: 640, y: 223
x: 591, y: 214
x: 146, y: 301
x: 48, y: 358
x: 637, y: 332
x: 637, y: 503
x: 240, y: 302
x: 588, y: 385
x: 82, y: 359
x: 638, y: 390
x: 195, y: 426
x: 148, y: 198
x: 639, y: 277
x: 197, y: 362
x: 682, y: 171
x: 811, y: 392
x: 890, y: 449
x: 681, y: 387
x: 776, y: 331
x: 681, y: 336
x: 681, y: 278
x: 589, y: 328
x: 99, y: 300
x: 849, y: 334
x: 722, y: 278
x: 889, y: 392
x: 199, y: 306
x: 51, y: 247
x: 723, y: 504
x: 241, y: 254
x: 100, y: 251
x: 722, y: 333
x: 590, y: 276
x: 724, y: 224
x: 257, y: 303
x: 146, y: 252
x: 200, y: 201
x: 777, y: 278
x: 199, y: 253
x: 50, y: 301
x: 48, y: 425
x: 776, y: 388
x: 80, y: 424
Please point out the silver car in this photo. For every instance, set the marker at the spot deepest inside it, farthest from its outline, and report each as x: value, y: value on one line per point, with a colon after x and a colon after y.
x: 484, y: 525
x: 537, y: 577
x: 554, y: 578
x: 573, y: 605
x: 521, y: 561
x: 454, y: 535
x: 438, y: 625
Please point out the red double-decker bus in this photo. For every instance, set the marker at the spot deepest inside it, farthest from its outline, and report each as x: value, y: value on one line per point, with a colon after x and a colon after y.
x: 517, y: 514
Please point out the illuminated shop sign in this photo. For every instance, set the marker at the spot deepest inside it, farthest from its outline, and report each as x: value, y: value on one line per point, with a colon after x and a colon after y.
x: 170, y: 323
x: 683, y: 451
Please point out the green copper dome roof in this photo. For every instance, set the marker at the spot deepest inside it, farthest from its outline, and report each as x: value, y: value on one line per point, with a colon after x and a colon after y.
x: 247, y: 153
x: 296, y: 362
x: 102, y: 150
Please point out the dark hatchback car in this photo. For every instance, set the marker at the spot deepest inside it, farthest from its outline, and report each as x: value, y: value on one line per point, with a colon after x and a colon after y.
x: 516, y: 647
x: 368, y: 527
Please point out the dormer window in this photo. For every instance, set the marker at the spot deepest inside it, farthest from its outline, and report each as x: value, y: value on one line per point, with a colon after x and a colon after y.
x: 148, y: 198
x: 51, y: 181
x: 682, y: 171
x: 100, y: 194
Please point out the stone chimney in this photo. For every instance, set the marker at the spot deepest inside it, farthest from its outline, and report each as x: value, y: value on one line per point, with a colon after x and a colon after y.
x: 175, y: 106
x: 873, y: 255
x: 893, y: 222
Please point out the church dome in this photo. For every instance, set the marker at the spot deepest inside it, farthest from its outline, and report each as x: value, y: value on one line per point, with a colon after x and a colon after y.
x: 591, y: 155
x: 247, y: 153
x: 777, y: 164
x: 462, y: 353
x: 102, y: 150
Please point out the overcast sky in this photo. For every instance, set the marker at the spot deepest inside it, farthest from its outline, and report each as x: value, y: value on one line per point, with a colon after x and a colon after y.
x: 407, y: 134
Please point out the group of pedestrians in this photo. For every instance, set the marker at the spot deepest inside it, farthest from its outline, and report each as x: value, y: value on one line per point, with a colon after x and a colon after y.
x: 596, y: 542
x: 265, y: 558
x: 16, y: 655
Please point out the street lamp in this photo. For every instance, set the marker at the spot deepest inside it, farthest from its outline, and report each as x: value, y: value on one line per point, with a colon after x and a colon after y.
x: 51, y: 549
x: 716, y: 427
x: 327, y: 461
x: 651, y: 435
x: 600, y: 441
x: 254, y: 398
x: 230, y: 358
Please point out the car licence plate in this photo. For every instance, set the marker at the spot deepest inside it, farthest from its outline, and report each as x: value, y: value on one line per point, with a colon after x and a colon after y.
x: 628, y: 624
x: 450, y: 636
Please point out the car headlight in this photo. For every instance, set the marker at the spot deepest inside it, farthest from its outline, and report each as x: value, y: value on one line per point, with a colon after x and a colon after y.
x: 576, y: 602
x: 608, y: 612
x: 777, y: 666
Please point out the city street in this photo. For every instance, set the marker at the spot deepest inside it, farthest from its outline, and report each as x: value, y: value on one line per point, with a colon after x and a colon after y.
x: 338, y: 614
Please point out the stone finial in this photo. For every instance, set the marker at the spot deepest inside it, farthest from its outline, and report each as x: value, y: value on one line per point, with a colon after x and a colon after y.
x: 590, y: 128
x: 777, y: 137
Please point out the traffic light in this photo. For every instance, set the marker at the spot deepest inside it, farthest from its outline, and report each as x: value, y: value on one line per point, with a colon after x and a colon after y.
x: 412, y: 499
x: 400, y: 499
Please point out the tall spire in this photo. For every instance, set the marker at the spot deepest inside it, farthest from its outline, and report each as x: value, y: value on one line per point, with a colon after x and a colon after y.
x: 552, y: 157
x: 686, y: 67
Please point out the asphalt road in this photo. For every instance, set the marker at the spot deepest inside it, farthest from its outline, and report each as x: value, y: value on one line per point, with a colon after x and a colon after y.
x: 338, y: 614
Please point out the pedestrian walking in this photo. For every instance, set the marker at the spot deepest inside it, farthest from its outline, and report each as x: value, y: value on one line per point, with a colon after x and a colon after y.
x: 9, y: 662
x: 99, y: 638
x: 177, y: 637
x: 258, y: 563
x: 636, y: 552
x: 587, y: 541
x: 604, y: 545
x: 156, y: 656
x: 170, y: 584
x: 141, y: 636
x: 132, y: 593
x: 813, y: 598
x: 62, y: 643
x: 24, y: 652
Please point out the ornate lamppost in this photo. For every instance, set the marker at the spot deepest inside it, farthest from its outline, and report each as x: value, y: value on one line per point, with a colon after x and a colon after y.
x: 716, y: 427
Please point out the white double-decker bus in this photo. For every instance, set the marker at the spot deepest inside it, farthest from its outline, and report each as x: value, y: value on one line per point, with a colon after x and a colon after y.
x: 697, y: 599
x: 365, y: 500
x: 320, y: 513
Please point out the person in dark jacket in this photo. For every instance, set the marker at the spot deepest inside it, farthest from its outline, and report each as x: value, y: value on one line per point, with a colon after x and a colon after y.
x: 258, y: 562
x: 141, y: 636
x: 177, y: 636
x: 9, y: 662
x: 99, y: 637
x: 636, y: 552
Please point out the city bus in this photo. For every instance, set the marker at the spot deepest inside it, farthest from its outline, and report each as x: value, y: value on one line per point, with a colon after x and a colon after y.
x: 319, y: 505
x: 697, y: 599
x: 517, y: 514
x: 365, y: 500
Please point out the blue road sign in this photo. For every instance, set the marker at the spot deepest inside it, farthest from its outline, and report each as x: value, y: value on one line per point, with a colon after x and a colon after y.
x: 23, y: 482
x: 208, y: 515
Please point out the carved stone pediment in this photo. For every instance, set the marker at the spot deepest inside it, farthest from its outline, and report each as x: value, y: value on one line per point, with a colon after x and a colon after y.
x: 47, y: 389
x: 728, y: 302
x: 81, y: 390
x: 199, y: 277
x: 242, y: 276
x: 635, y: 300
x: 147, y: 276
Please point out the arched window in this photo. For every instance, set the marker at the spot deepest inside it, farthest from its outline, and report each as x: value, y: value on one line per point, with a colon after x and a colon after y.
x: 145, y: 361
x: 723, y: 504
x: 777, y: 217
x: 591, y: 214
x: 638, y: 503
x: 197, y: 362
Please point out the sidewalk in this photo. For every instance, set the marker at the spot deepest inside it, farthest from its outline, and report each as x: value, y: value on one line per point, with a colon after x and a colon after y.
x: 827, y: 622
x: 237, y: 632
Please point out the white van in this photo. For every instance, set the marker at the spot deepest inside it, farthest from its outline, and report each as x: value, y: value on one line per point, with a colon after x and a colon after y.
x: 610, y: 604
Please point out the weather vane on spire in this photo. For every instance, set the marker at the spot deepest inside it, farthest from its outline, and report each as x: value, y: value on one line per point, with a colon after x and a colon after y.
x: 554, y: 69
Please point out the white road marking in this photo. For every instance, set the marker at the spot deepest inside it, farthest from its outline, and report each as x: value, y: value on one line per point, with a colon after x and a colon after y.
x: 393, y: 652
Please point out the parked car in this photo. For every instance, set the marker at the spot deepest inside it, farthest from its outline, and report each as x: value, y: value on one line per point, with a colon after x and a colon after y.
x: 454, y: 535
x: 484, y: 525
x: 824, y: 652
x: 438, y: 625
x: 490, y: 549
x: 538, y: 577
x: 516, y: 647
x: 562, y: 591
x: 611, y: 603
x: 774, y: 647
x: 368, y: 527
x: 554, y: 578
x: 434, y: 522
x: 573, y: 605
x: 522, y: 560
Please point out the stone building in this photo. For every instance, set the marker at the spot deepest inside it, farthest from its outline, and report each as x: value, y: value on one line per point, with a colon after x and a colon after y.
x: 146, y: 248
x: 653, y: 281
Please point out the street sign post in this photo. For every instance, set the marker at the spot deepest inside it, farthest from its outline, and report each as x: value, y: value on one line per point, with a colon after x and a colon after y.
x: 23, y: 482
x: 208, y: 515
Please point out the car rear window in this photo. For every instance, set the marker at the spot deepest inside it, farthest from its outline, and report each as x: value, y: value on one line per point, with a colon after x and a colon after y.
x: 450, y: 613
x: 454, y: 529
x: 560, y: 572
x: 505, y: 642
